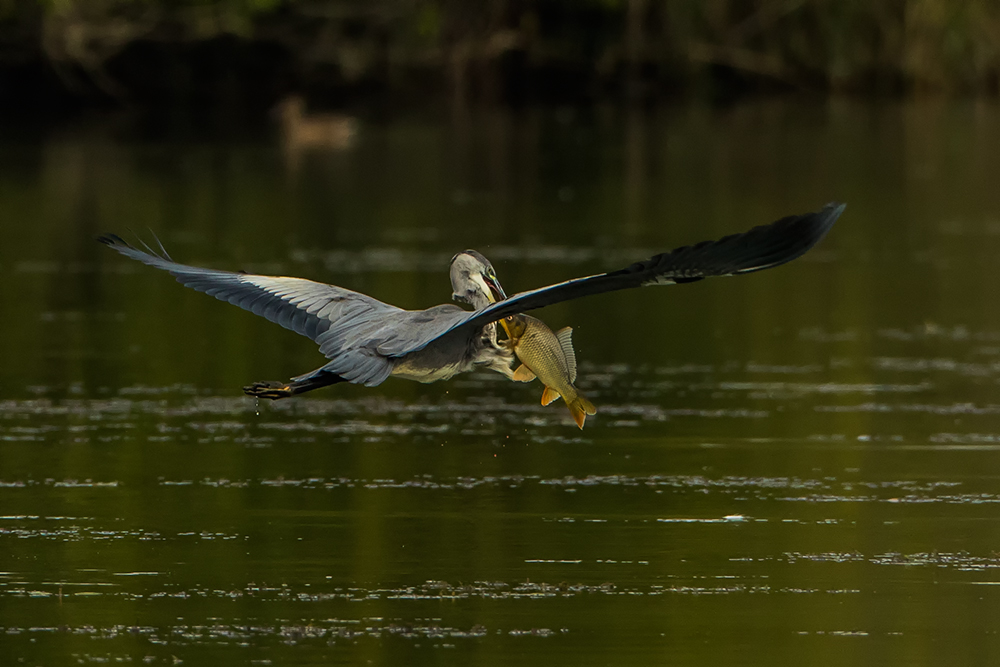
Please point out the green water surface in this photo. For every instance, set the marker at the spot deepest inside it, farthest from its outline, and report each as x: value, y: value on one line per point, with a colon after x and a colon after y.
x: 796, y: 467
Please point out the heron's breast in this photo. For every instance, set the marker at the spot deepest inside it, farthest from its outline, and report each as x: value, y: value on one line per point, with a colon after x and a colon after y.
x: 413, y: 370
x: 432, y: 363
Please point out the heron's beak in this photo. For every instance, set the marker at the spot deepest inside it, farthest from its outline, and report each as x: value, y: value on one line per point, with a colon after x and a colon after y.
x: 503, y: 323
x: 496, y: 292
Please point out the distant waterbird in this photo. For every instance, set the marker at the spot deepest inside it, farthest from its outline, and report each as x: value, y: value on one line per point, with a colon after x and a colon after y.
x: 304, y: 131
x: 367, y: 341
x: 329, y: 131
x: 549, y: 357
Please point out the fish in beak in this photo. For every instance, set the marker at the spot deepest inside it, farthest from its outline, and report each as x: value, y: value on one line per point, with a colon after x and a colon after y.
x: 506, y: 328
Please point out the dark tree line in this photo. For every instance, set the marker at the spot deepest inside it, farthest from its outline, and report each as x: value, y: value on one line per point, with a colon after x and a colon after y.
x: 251, y: 52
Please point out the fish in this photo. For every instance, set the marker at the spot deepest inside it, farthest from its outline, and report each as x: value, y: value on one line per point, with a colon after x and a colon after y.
x: 549, y: 357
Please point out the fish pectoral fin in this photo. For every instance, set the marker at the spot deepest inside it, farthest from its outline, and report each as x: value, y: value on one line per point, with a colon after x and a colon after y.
x: 549, y: 395
x: 523, y: 374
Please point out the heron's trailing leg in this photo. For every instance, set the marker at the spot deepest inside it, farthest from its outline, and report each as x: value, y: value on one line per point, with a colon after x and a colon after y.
x: 300, y: 385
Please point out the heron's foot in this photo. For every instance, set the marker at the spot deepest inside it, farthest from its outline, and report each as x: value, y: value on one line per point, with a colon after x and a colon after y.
x: 273, y: 390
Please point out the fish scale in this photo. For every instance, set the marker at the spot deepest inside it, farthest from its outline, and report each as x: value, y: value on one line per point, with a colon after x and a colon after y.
x: 542, y: 347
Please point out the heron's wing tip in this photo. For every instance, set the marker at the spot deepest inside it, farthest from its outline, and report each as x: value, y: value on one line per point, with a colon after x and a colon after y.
x: 112, y: 240
x: 821, y: 222
x: 832, y: 211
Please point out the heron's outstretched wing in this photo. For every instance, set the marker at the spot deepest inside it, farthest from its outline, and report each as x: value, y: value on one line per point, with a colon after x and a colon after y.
x: 336, y: 318
x: 760, y: 248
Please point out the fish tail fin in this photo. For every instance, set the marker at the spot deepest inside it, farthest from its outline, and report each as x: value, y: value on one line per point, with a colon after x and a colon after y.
x: 580, y: 408
x: 549, y: 395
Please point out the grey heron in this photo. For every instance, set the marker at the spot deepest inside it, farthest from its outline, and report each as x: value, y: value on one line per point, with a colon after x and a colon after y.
x: 366, y: 341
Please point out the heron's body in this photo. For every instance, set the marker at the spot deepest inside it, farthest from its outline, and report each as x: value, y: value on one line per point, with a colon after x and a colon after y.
x: 439, y: 361
x: 366, y: 341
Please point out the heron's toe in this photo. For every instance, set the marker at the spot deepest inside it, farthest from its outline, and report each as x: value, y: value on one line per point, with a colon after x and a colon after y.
x: 268, y: 389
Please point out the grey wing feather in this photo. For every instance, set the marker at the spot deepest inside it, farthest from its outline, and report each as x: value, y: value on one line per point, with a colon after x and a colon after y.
x: 420, y: 327
x: 308, y: 308
x: 380, y: 341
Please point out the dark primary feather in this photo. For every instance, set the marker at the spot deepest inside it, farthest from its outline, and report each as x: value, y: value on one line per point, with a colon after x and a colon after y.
x: 760, y: 248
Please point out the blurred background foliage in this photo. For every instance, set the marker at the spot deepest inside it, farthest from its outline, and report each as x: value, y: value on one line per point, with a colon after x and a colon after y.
x: 238, y: 52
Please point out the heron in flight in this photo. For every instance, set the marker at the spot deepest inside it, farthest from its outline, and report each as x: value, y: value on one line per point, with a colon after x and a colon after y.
x: 367, y: 341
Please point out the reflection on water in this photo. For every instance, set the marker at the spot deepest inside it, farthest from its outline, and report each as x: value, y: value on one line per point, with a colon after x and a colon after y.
x: 793, y: 464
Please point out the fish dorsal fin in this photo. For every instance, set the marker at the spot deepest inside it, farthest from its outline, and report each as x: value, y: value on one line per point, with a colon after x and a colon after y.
x: 523, y: 374
x: 565, y: 338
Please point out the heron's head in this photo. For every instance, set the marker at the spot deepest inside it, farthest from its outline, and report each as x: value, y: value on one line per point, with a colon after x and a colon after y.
x: 474, y: 281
